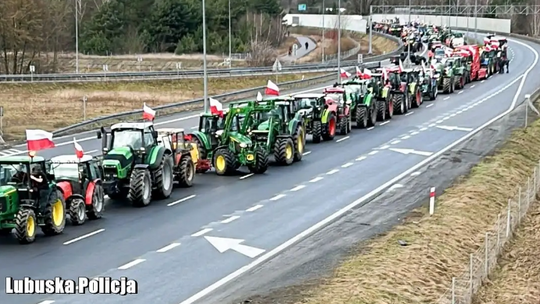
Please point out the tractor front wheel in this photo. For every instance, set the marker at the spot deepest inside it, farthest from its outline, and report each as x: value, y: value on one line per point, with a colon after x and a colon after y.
x: 186, y: 171
x: 95, y: 211
x: 299, y: 138
x: 54, y: 214
x: 361, y: 117
x: 284, y: 151
x: 261, y: 162
x: 224, y: 162
x: 343, y: 125
x: 316, y: 133
x: 25, y: 226
x: 77, y: 211
x: 372, y: 114
x: 163, y: 177
x: 140, y: 188
x: 381, y: 110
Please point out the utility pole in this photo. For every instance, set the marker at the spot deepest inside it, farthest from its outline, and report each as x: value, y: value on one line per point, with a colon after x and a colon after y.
x: 205, y: 73
x: 339, y: 42
x: 323, y: 30
x: 230, y: 36
x: 476, y: 20
x: 77, y: 4
x: 370, y: 28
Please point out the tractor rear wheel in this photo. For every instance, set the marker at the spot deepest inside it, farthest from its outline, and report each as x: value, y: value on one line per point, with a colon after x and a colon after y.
x: 261, y: 162
x: 381, y: 110
x: 284, y: 151
x: 398, y: 101
x: 361, y: 117
x: 77, y: 211
x: 186, y: 171
x: 343, y: 126
x: 95, y: 211
x: 446, y: 86
x: 140, y: 188
x: 331, y: 126
x: 25, y: 226
x: 372, y: 114
x: 54, y: 214
x: 224, y: 162
x: 164, y: 178
x: 316, y: 133
x: 299, y: 139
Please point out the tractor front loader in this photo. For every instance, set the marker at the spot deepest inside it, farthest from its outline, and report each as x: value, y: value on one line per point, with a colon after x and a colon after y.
x: 24, y: 205
x: 134, y: 164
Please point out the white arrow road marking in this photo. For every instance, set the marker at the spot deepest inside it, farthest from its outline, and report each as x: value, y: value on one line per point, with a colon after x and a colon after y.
x: 224, y: 244
x: 411, y: 151
x: 455, y: 128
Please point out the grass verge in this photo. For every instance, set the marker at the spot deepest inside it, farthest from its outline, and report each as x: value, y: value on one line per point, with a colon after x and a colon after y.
x: 51, y: 106
x: 382, y: 271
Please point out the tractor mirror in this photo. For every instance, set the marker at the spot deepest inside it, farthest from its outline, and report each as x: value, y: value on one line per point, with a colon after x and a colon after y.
x: 98, y: 134
x: 154, y: 134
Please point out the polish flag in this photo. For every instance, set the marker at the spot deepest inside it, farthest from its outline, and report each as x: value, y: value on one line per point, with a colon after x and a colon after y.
x: 400, y: 66
x: 259, y: 96
x: 271, y: 89
x: 78, y: 149
x: 358, y: 72
x: 384, y: 74
x: 344, y: 74
x: 367, y: 74
x: 38, y: 140
x: 216, y: 108
x: 148, y: 113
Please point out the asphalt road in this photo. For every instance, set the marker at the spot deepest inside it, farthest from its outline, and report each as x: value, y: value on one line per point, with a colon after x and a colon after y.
x: 264, y: 214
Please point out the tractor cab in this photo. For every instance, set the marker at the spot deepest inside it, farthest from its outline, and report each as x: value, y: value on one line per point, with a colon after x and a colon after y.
x: 336, y: 95
x: 185, y: 154
x: 15, y: 180
x: 309, y: 101
x: 127, y: 142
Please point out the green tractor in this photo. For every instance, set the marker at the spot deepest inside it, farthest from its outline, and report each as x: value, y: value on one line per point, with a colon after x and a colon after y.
x: 459, y: 70
x: 381, y: 89
x: 428, y: 79
x: 366, y: 108
x: 134, y: 164
x: 280, y: 124
x: 447, y: 79
x: 320, y: 121
x: 225, y: 142
x: 25, y: 205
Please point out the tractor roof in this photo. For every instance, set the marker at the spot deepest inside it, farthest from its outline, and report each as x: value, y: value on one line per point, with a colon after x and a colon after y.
x: 21, y: 159
x: 132, y: 125
x: 279, y: 98
x: 164, y: 131
x: 334, y: 90
x: 309, y: 95
x: 70, y: 159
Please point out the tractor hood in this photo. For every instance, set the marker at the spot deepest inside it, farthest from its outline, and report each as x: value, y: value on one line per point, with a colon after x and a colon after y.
x: 8, y: 193
x: 114, y: 153
x: 240, y: 138
x: 7, y: 190
x: 118, y: 157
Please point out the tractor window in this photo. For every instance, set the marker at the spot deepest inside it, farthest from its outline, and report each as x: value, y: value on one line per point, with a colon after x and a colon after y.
x: 127, y: 138
x: 148, y: 138
x: 66, y: 171
x: 94, y: 171
x: 10, y: 173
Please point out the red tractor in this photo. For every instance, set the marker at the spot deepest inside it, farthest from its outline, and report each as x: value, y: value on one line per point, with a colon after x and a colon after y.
x: 79, y: 180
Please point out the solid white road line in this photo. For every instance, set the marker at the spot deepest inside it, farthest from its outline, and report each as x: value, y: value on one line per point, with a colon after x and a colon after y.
x: 181, y: 200
x: 256, y: 207
x: 270, y: 254
x: 230, y: 219
x: 82, y: 237
x: 202, y: 232
x: 168, y: 247
x: 131, y: 264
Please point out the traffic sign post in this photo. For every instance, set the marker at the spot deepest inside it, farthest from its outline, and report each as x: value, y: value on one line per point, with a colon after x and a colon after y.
x: 105, y: 70
x: 1, y: 122
x: 84, y: 100
x: 178, y: 68
x: 32, y: 71
x: 139, y: 60
x: 360, y: 58
x: 294, y: 49
x: 276, y: 68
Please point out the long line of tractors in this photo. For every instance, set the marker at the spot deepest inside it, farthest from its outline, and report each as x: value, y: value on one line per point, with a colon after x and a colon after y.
x: 141, y: 163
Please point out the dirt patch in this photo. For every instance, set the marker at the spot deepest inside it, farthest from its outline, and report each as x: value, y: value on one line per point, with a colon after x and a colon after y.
x: 516, y: 276
x: 438, y: 246
x: 51, y: 106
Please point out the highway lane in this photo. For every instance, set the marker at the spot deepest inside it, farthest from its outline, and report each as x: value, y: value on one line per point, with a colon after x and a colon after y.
x: 351, y: 146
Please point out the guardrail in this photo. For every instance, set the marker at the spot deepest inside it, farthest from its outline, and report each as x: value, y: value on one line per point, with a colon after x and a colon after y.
x: 177, y: 74
x: 198, y: 103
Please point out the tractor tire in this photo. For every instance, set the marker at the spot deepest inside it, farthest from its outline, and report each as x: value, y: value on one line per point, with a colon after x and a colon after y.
x: 417, y: 99
x: 461, y: 83
x: 95, y: 211
x: 398, y: 101
x: 54, y: 214
x: 330, y: 131
x: 434, y: 93
x: 261, y: 162
x: 224, y: 162
x: 389, y: 106
x: 446, y: 86
x: 343, y: 126
x: 453, y: 85
x: 381, y: 110
x: 284, y: 151
x: 202, y: 153
x: 299, y: 139
x: 140, y: 188
x: 164, y: 178
x: 186, y: 171
x: 25, y: 226
x: 316, y: 133
x: 372, y: 115
x: 361, y: 117
x: 77, y: 211
x: 349, y: 124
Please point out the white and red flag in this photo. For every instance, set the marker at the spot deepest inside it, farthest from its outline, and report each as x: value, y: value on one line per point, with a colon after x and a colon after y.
x: 78, y: 149
x: 272, y: 89
x: 148, y: 113
x: 216, y: 108
x: 39, y: 140
x: 344, y: 74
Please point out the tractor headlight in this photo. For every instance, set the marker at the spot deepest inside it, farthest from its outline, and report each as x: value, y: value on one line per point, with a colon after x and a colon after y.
x: 243, y: 145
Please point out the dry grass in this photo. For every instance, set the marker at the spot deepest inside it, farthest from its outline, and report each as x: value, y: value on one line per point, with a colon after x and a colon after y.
x: 516, y: 279
x: 51, y: 106
x: 385, y: 272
